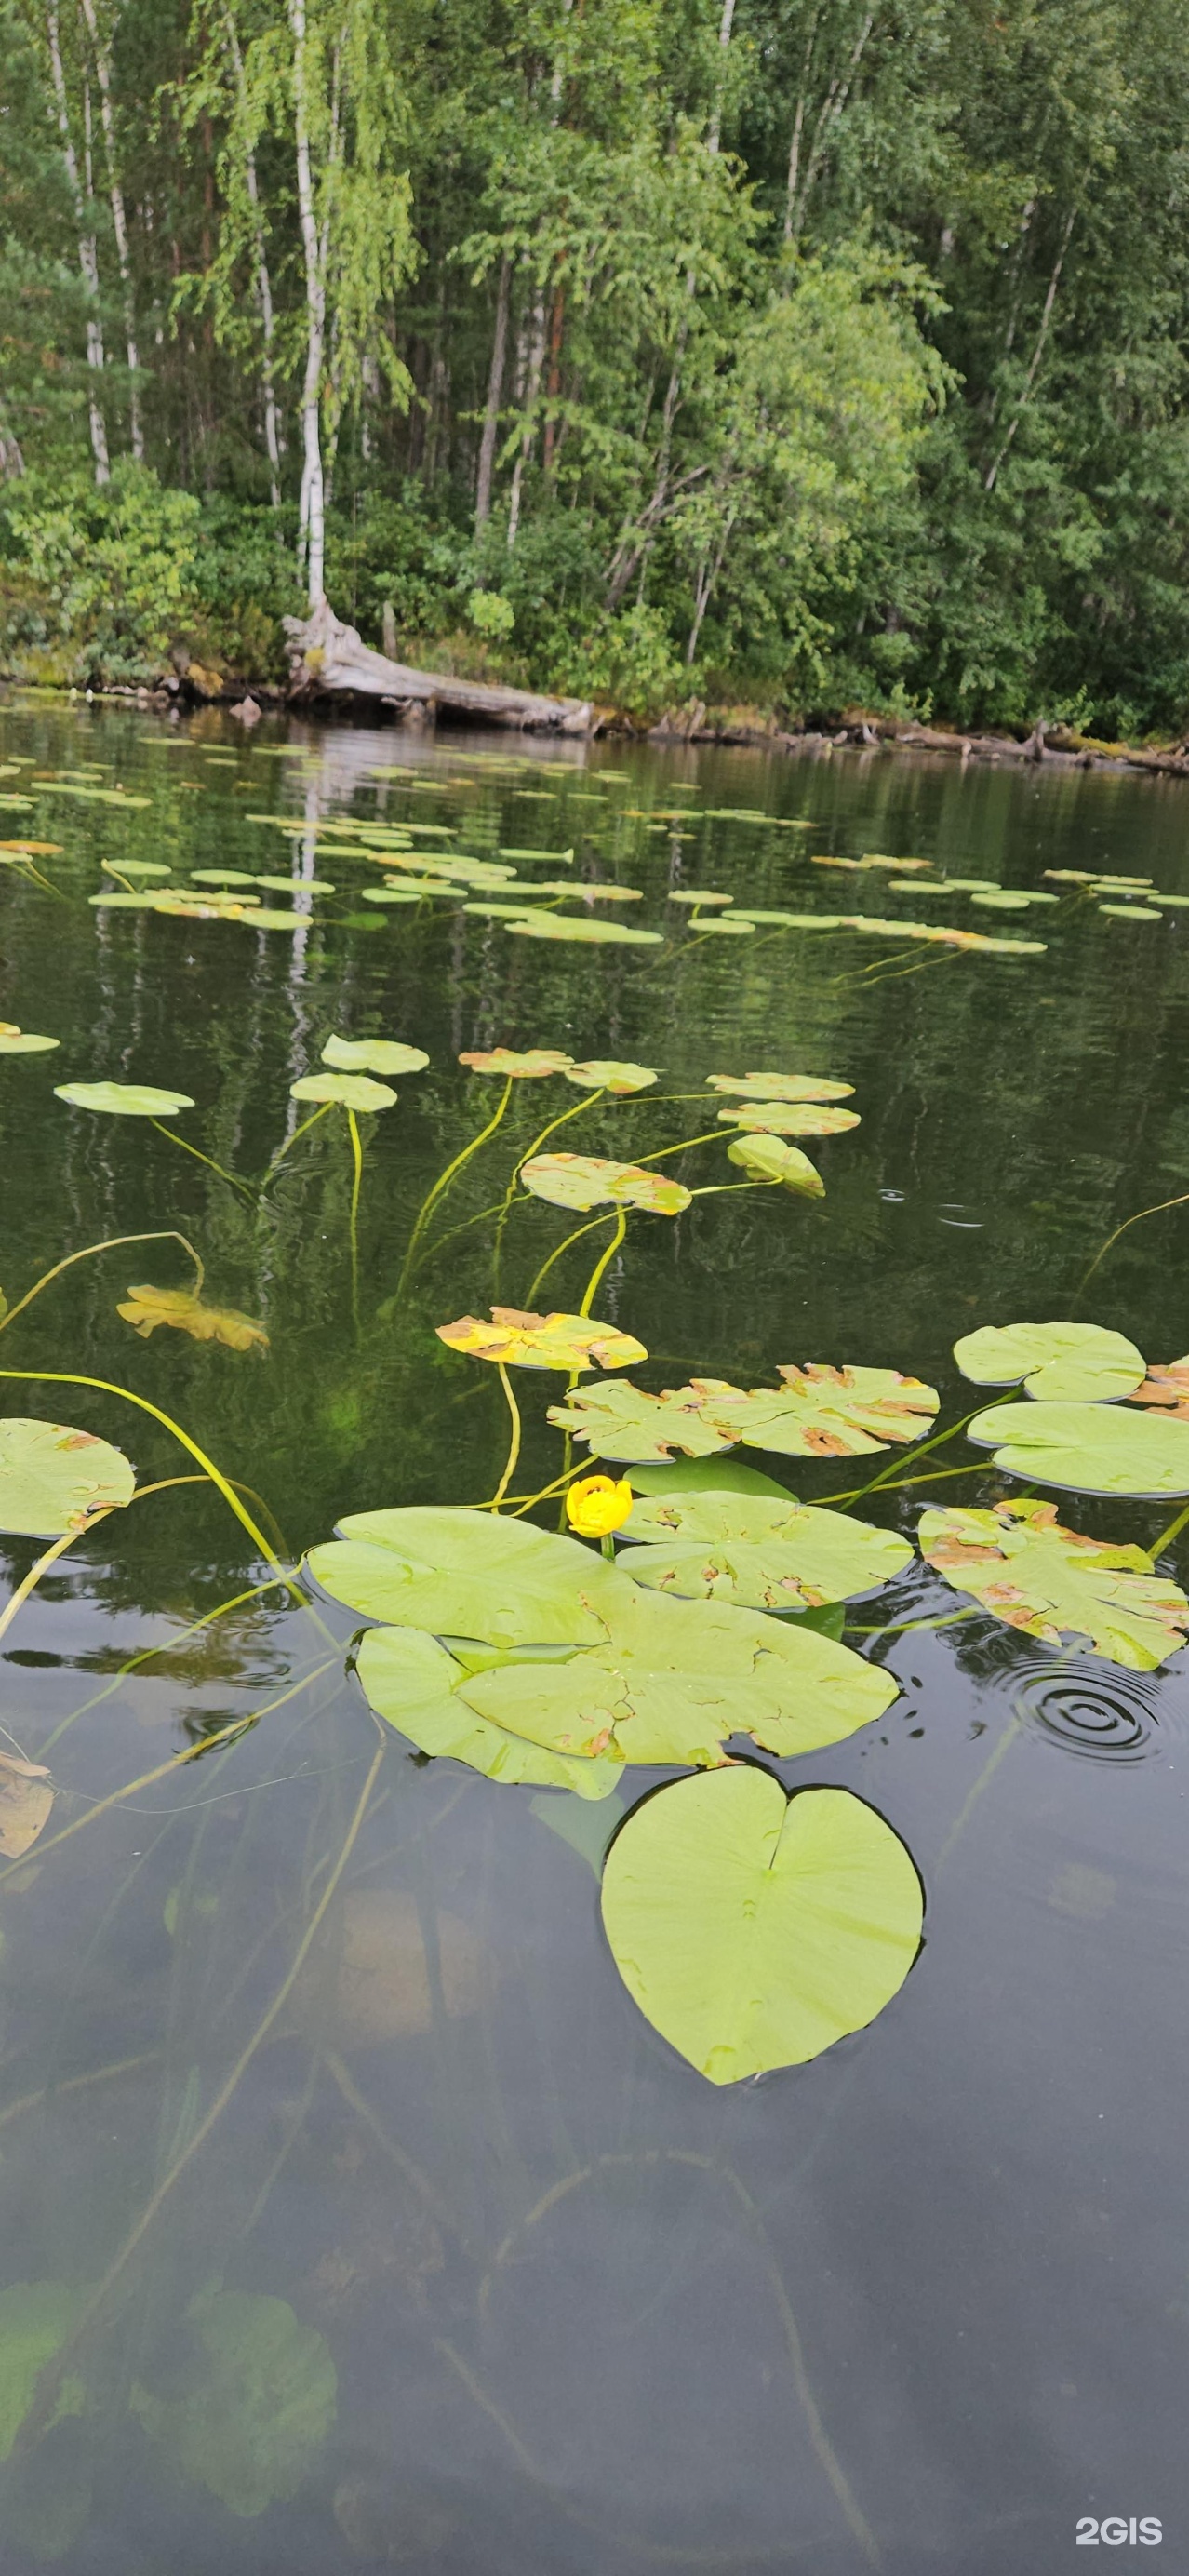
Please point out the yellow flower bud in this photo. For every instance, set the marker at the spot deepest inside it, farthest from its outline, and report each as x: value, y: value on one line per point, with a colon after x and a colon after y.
x: 596, y: 1505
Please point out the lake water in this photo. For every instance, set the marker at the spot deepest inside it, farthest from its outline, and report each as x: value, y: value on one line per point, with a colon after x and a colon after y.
x: 546, y: 2303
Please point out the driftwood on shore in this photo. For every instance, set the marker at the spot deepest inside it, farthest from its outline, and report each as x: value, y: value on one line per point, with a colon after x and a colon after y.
x: 330, y: 659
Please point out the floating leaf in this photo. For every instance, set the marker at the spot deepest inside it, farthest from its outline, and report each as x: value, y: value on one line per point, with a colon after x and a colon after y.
x: 788, y: 1118
x: 485, y: 910
x: 698, y: 894
x: 347, y: 1090
x: 557, y: 858
x: 605, y: 1073
x: 262, y: 2396
x: 818, y: 1412
x: 753, y: 1930
x: 35, y: 2319
x: 145, y: 1308
x: 1072, y: 1363
x: 373, y: 1055
x: 25, y: 1804
x: 1091, y: 1448
x: 295, y: 885
x: 413, y: 1682
x: 781, y: 1086
x: 1130, y: 911
x: 594, y: 934
x: 52, y: 1477
x: 269, y: 920
x: 542, y: 1341
x: 123, y: 1099
x: 730, y: 924
x: 1050, y: 1582
x: 1011, y: 899
x: 22, y: 1042
x: 529, y: 1067
x: 467, y: 1574
x: 223, y: 877
x: 588, y: 1180
x: 762, y: 1554
x: 1168, y: 1388
x: 138, y: 868
x: 30, y: 849
x: 770, y: 1159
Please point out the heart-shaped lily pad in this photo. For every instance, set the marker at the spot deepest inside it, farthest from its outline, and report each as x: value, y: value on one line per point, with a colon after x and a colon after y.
x: 413, y: 1682
x: 23, y: 1042
x: 780, y: 1086
x: 753, y: 1930
x: 763, y: 1554
x: 589, y: 1181
x: 347, y: 1090
x: 52, y: 1478
x: 606, y: 1073
x: 468, y: 1574
x: 1090, y: 1448
x: 770, y: 1159
x: 1051, y: 1583
x: 123, y: 1099
x: 817, y: 1412
x: 553, y: 1341
x: 530, y: 1066
x: 373, y: 1055
x: 789, y: 1118
x: 1070, y: 1363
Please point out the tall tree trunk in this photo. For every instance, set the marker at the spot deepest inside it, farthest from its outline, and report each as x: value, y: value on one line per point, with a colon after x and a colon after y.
x: 1037, y: 354
x: 312, y: 519
x: 831, y: 109
x: 794, y: 169
x: 87, y: 256
x: 102, y: 54
x: 262, y: 282
x: 495, y: 387
x: 535, y: 364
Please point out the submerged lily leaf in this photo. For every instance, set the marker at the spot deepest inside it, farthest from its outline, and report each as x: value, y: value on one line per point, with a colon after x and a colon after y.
x: 529, y: 1067
x: 1050, y: 1582
x: 145, y: 1308
x: 467, y: 1574
x: 753, y: 1930
x: 542, y: 1341
x: 605, y: 1073
x: 35, y: 2320
x: 22, y: 1042
x: 123, y: 1099
x: 761, y: 1553
x: 594, y: 934
x: 588, y: 1180
x: 348, y: 1090
x: 263, y: 2395
x: 818, y: 1412
x: 52, y: 1477
x: 770, y: 1159
x: 1091, y: 1448
x: 373, y: 1055
x: 781, y: 1086
x: 1072, y: 1363
x: 25, y: 1804
x: 789, y: 1118
x: 412, y: 1681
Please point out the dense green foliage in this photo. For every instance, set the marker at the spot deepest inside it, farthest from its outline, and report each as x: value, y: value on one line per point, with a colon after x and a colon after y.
x: 803, y: 351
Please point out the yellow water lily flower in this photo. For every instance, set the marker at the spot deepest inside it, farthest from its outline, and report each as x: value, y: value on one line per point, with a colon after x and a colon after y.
x: 596, y: 1505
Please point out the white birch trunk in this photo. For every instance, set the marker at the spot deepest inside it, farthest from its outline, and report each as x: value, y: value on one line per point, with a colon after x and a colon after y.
x: 102, y: 54
x: 87, y: 255
x: 312, y: 521
x: 262, y: 282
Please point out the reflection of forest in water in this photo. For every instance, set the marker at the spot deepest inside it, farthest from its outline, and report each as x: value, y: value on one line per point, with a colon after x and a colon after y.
x: 548, y: 2301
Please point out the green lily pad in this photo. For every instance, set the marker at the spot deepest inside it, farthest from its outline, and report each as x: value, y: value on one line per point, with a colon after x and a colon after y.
x: 1130, y: 911
x: 52, y: 1477
x: 752, y: 1930
x: 730, y: 925
x: 529, y: 1066
x: 1071, y: 1363
x: 762, y: 1554
x: 24, y: 1042
x: 266, y: 919
x: 263, y: 2395
x: 818, y: 1412
x: 606, y: 1073
x: 780, y: 1086
x: 556, y: 858
x: 724, y: 1474
x: 589, y: 1180
x: 594, y: 934
x: 413, y: 1682
x: 223, y: 877
x: 123, y: 1099
x: 373, y: 1055
x: 35, y: 2319
x: 467, y: 1574
x: 402, y: 894
x: 789, y: 1118
x: 295, y: 885
x: 554, y: 1341
x: 484, y: 910
x: 1090, y: 1448
x: 136, y: 867
x: 770, y: 1159
x: 348, y: 1090
x: 697, y: 895
x: 118, y: 901
x: 1051, y: 1583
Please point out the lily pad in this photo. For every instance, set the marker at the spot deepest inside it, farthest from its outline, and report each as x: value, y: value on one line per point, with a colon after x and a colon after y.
x: 1072, y: 1363
x: 818, y: 1412
x: 588, y: 1181
x: 752, y: 1930
x: 698, y: 894
x: 138, y: 868
x: 606, y: 1073
x: 262, y: 2396
x: 729, y: 924
x: 781, y: 1086
x: 1090, y: 1448
x: 123, y: 1099
x: 556, y: 858
x: 401, y: 894
x: 23, y: 1042
x: 35, y: 2320
x: 789, y: 1118
x: 348, y: 1090
x: 1051, y: 1583
x: 552, y: 1341
x: 592, y: 934
x: 26, y: 1802
x: 145, y: 1308
x: 770, y: 1159
x: 373, y: 1055
x: 467, y: 1574
x: 531, y: 1066
x: 1130, y: 911
x: 223, y: 877
x: 762, y: 1554
x: 413, y: 1682
x: 52, y: 1477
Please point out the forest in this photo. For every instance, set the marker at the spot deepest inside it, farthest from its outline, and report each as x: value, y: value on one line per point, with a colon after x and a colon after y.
x: 800, y: 355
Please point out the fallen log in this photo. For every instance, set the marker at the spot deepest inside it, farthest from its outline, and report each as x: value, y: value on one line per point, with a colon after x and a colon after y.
x: 330, y: 659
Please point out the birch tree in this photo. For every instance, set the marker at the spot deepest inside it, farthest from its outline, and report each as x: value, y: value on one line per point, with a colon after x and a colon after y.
x: 82, y: 202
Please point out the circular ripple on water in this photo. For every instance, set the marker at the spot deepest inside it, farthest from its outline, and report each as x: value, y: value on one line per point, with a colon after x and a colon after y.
x: 1091, y: 1709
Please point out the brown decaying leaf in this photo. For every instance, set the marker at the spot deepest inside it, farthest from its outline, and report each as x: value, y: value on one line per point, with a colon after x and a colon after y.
x: 25, y: 1803
x: 146, y: 1307
x: 1168, y: 1387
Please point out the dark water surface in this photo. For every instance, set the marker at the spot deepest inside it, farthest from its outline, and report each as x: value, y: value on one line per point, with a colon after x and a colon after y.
x: 918, y: 2305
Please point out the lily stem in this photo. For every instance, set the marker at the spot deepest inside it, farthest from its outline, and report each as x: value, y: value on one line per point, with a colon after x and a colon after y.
x: 514, y: 1444
x: 187, y: 1148
x: 165, y: 1234
x: 601, y: 1264
x: 356, y: 1185
x: 446, y: 1178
